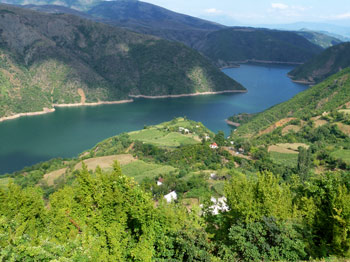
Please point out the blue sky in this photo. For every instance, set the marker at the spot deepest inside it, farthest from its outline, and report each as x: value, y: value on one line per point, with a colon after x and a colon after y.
x: 252, y: 12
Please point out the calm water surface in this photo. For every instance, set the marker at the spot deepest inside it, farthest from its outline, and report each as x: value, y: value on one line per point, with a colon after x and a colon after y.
x: 69, y: 131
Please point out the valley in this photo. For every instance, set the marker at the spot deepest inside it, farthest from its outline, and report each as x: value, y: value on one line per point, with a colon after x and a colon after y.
x: 131, y: 132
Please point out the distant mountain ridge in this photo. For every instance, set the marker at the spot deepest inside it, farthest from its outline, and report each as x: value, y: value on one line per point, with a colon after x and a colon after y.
x: 51, y: 59
x: 223, y: 45
x: 244, y: 44
x: 329, y: 62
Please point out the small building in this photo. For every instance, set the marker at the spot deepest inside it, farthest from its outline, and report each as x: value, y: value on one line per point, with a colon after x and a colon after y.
x: 213, y: 176
x: 219, y: 205
x: 231, y: 142
x: 171, y: 196
x: 160, y: 181
x: 214, y: 146
x: 186, y: 131
x: 206, y: 137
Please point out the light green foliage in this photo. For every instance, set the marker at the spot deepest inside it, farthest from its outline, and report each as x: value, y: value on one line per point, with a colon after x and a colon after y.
x: 252, y: 199
x: 162, y: 138
x: 141, y: 170
x: 342, y: 154
x: 290, y: 160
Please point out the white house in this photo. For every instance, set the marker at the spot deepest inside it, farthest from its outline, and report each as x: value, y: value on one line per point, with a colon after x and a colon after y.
x: 171, y: 196
x: 214, y: 146
x: 219, y: 205
x: 212, y: 175
x: 160, y: 181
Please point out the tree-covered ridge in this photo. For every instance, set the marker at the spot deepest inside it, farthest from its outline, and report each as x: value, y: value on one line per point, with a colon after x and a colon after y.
x: 331, y: 94
x: 55, y: 55
x: 329, y: 62
x: 223, y: 45
x: 234, y: 45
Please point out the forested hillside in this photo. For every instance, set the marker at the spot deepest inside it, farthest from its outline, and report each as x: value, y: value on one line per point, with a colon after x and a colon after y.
x: 330, y: 95
x: 234, y: 45
x: 223, y: 45
x: 61, y: 59
x: 89, y: 209
x: 329, y: 62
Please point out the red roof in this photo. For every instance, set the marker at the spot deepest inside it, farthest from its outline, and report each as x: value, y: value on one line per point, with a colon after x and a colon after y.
x: 214, y: 144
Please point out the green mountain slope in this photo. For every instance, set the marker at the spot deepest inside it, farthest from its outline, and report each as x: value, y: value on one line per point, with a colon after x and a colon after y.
x: 318, y: 38
x: 57, y: 59
x: 233, y: 45
x: 221, y: 44
x: 329, y: 62
x: 331, y: 94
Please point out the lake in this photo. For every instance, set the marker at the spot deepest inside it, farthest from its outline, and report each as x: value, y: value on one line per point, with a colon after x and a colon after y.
x: 69, y: 131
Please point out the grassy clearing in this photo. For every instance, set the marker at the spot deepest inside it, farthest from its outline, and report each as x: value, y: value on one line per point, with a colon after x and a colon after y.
x: 345, y: 111
x: 342, y: 154
x: 320, y: 122
x: 4, y: 182
x: 140, y: 170
x: 344, y: 128
x: 290, y: 128
x: 106, y: 161
x: 290, y: 160
x: 162, y: 138
x: 51, y: 177
x: 287, y: 148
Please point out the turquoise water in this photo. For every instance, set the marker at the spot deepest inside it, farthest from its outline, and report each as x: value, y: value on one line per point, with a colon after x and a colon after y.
x: 69, y: 131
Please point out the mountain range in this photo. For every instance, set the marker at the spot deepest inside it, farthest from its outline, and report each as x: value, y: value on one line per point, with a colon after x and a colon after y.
x: 52, y: 59
x: 209, y: 38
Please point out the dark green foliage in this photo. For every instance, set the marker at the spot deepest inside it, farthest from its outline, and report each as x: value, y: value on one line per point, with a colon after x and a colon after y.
x: 329, y: 62
x: 304, y: 161
x: 266, y: 240
x: 249, y: 44
x: 220, y: 138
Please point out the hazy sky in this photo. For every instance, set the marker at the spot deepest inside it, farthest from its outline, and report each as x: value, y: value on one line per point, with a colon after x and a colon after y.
x: 262, y: 11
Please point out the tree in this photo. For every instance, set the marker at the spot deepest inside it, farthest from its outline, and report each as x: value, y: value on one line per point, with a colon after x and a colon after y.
x: 220, y: 138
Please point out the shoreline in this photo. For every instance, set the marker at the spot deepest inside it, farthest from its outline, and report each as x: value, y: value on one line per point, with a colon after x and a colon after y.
x: 236, y: 64
x: 51, y: 110
x: 186, y: 95
x: 303, y: 82
x: 95, y: 103
x: 230, y: 123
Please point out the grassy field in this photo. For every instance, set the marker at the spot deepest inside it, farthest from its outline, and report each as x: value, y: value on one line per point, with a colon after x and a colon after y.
x: 106, y: 161
x: 290, y: 160
x: 344, y: 128
x: 51, y: 177
x: 140, y: 170
x: 4, y: 182
x: 287, y: 148
x: 163, y: 138
x: 346, y: 111
x: 342, y: 154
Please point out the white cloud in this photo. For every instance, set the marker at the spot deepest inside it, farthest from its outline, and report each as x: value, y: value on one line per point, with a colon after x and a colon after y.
x: 213, y: 11
x: 343, y: 16
x: 279, y: 6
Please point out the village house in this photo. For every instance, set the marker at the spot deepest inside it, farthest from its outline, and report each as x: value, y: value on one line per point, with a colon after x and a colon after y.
x: 219, y: 205
x: 160, y: 181
x: 171, y: 196
x: 214, y: 146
